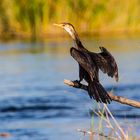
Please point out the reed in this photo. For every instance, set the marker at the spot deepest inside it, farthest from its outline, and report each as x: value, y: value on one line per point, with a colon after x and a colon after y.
x: 35, y: 17
x: 108, y: 126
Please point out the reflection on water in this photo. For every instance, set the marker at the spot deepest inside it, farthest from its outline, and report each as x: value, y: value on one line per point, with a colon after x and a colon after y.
x: 35, y: 103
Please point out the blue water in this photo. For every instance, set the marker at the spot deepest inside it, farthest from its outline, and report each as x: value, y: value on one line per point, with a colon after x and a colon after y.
x: 34, y: 102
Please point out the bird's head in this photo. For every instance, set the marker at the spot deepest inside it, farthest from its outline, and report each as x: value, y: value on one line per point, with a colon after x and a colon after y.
x: 68, y: 27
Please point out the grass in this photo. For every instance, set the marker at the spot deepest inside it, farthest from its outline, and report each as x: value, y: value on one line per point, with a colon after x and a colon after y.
x: 33, y: 18
x: 108, y: 127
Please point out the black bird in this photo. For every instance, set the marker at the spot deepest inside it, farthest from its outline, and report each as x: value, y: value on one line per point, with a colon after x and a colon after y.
x: 90, y: 63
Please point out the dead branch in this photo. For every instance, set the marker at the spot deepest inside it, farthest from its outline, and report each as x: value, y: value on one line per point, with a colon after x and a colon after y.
x: 119, y: 99
x: 95, y: 133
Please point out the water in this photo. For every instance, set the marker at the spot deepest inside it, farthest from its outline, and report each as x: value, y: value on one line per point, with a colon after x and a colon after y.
x: 34, y: 102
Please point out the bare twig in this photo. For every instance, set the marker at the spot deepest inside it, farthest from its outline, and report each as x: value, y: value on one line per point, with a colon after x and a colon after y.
x: 95, y: 133
x: 119, y: 99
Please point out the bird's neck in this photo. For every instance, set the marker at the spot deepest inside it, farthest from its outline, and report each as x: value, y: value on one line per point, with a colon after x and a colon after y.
x: 77, y: 41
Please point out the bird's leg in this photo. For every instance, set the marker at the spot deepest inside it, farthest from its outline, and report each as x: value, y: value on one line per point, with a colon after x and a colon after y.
x: 77, y: 81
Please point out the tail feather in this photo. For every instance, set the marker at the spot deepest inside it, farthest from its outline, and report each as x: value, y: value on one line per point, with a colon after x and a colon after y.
x: 101, y: 94
x: 97, y: 92
x: 95, y: 95
x: 98, y: 97
x: 105, y: 97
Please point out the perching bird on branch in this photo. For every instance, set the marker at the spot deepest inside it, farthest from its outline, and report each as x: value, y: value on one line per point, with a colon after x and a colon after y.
x: 90, y: 63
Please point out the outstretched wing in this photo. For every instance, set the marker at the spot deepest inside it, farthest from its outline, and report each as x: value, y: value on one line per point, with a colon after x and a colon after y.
x: 106, y: 62
x: 84, y: 61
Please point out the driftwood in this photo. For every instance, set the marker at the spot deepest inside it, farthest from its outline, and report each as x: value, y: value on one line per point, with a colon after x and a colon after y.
x: 119, y: 99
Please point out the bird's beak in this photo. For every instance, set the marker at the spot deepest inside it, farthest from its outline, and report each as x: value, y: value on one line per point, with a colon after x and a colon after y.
x: 58, y: 25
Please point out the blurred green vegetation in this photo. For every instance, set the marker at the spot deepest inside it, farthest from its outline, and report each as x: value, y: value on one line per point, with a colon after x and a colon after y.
x: 31, y: 18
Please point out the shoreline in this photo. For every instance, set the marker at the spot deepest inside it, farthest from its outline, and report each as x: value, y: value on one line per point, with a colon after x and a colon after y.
x: 61, y: 34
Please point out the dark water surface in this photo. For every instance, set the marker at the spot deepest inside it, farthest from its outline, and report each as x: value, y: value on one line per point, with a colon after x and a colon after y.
x: 34, y: 102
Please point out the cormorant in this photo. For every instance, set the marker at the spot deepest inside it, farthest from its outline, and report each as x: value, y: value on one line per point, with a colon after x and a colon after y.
x: 89, y: 65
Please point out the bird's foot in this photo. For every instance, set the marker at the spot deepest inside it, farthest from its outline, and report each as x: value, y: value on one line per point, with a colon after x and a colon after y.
x: 77, y: 83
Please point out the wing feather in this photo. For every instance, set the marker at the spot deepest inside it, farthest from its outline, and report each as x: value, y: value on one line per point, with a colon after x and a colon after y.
x: 83, y: 61
x: 106, y: 62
